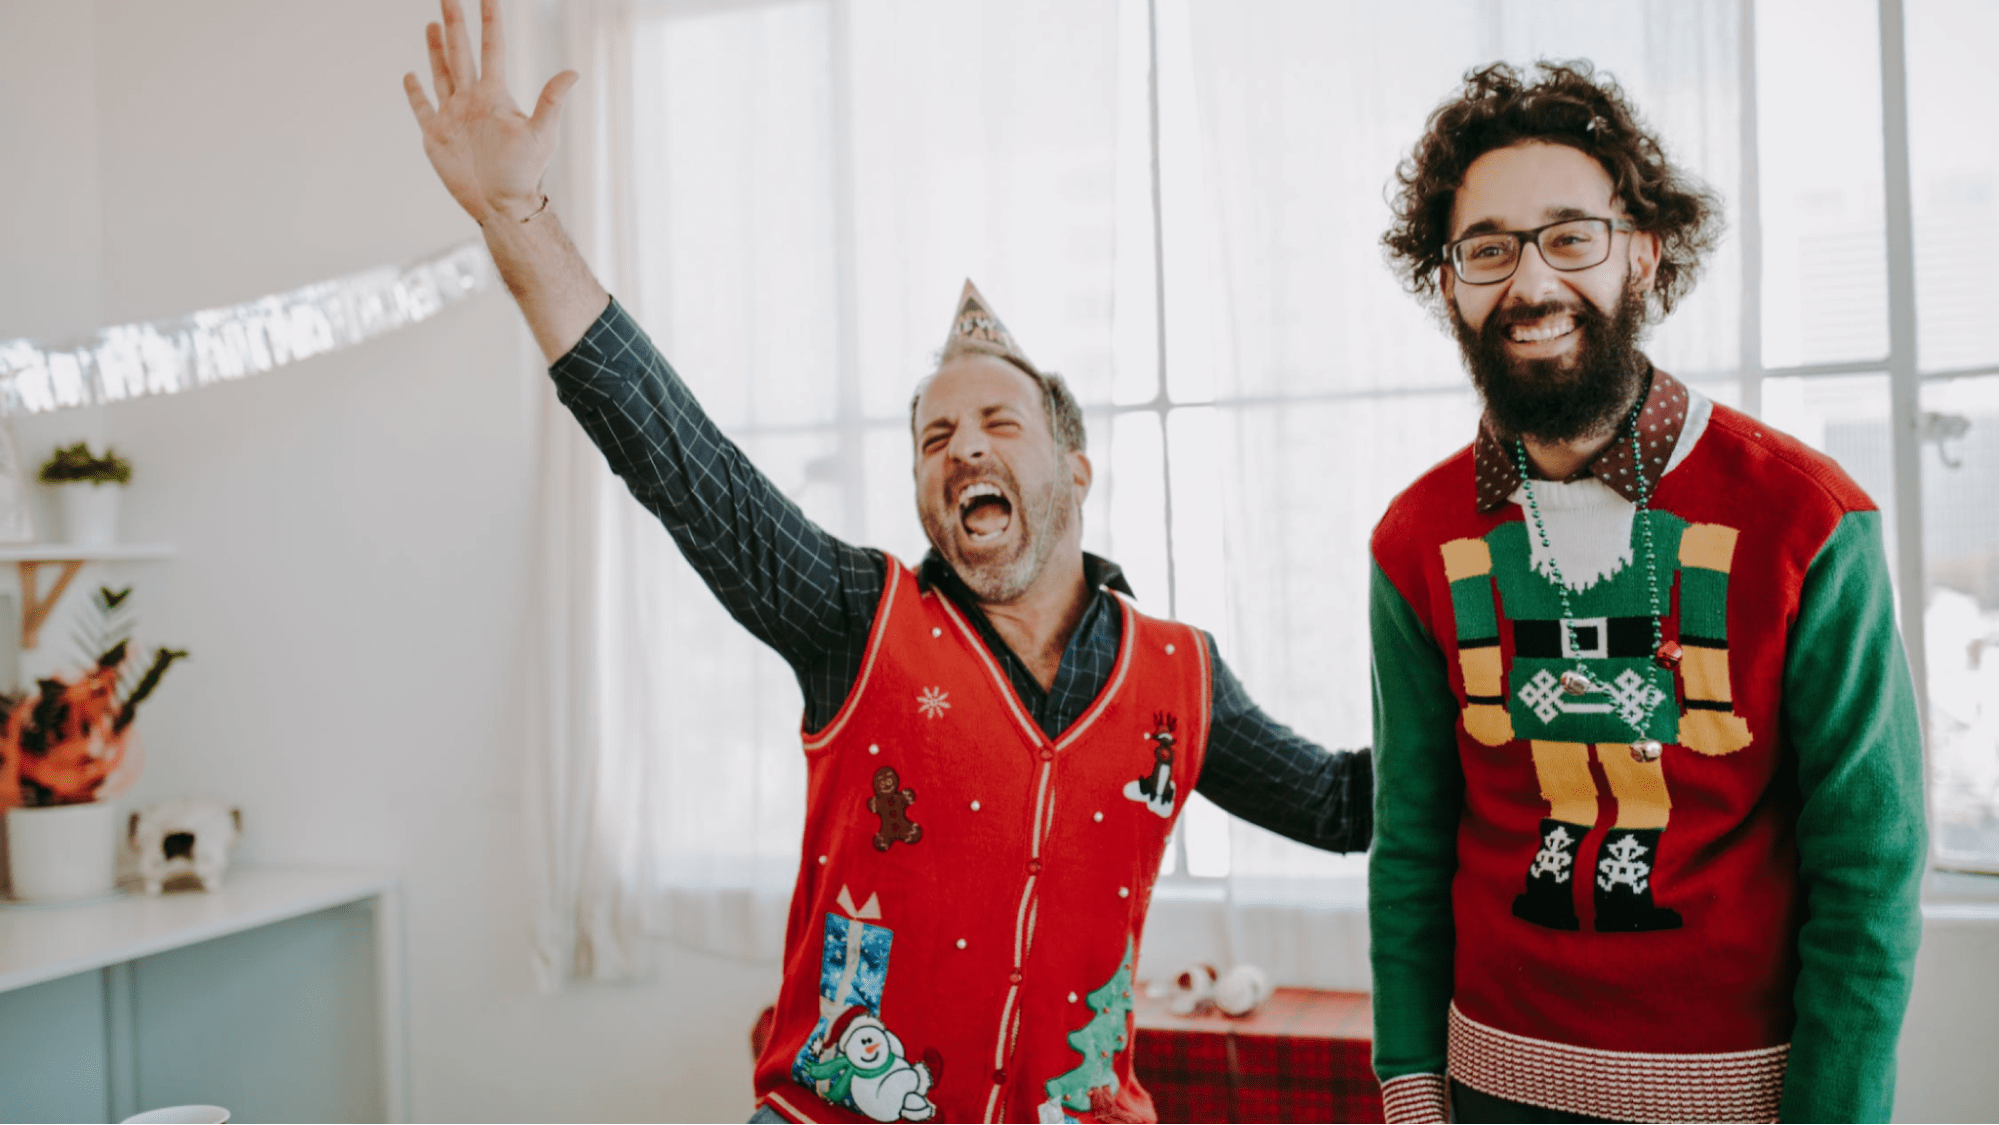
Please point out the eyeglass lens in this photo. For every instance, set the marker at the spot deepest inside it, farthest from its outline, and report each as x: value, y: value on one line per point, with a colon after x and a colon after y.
x: 1574, y: 245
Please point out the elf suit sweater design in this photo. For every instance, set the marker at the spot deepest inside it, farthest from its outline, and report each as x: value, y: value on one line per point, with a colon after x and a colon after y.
x: 1776, y: 843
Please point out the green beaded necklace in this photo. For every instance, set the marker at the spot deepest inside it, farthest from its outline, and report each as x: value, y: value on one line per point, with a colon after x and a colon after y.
x: 1578, y: 680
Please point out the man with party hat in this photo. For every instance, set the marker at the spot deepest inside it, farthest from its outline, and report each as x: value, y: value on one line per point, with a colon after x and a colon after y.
x: 997, y: 744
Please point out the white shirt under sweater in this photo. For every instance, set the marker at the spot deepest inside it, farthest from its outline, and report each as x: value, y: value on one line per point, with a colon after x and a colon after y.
x: 1589, y: 523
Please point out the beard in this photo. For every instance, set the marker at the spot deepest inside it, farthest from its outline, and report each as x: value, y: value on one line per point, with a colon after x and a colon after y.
x: 1002, y: 573
x: 1557, y: 400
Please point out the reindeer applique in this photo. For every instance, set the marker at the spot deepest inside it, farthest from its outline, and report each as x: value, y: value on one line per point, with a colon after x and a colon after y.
x: 1156, y: 790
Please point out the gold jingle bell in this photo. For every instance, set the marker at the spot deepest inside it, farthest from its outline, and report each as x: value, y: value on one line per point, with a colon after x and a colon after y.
x: 1646, y: 750
x: 1575, y: 681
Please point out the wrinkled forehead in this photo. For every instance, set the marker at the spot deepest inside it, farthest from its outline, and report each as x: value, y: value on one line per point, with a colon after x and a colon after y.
x: 1528, y: 185
x: 971, y: 384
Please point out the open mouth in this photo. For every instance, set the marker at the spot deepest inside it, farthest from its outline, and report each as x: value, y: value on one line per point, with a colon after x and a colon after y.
x: 1541, y: 329
x: 984, y: 512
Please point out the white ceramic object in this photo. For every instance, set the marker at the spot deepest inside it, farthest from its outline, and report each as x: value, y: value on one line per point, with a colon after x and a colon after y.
x: 180, y: 1115
x: 62, y: 853
x: 184, y: 837
x: 89, y: 513
x: 1192, y: 987
x: 1241, y: 990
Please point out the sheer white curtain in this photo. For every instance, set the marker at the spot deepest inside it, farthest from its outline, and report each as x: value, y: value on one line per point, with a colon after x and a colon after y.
x: 585, y: 792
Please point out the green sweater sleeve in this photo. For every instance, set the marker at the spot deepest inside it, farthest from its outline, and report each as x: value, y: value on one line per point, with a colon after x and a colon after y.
x: 1850, y: 714
x: 1418, y: 791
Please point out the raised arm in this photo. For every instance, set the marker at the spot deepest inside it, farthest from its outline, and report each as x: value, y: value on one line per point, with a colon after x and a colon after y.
x: 798, y: 589
x: 492, y: 158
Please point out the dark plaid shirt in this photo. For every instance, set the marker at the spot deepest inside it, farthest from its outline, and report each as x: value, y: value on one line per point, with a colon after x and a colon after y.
x: 812, y: 597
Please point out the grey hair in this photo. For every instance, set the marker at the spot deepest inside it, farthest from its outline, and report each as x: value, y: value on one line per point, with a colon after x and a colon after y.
x: 1065, y: 414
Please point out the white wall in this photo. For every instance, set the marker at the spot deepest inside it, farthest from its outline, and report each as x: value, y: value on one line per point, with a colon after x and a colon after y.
x: 352, y: 532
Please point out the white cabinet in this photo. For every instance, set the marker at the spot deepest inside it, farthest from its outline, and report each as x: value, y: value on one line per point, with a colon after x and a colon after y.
x: 279, y: 996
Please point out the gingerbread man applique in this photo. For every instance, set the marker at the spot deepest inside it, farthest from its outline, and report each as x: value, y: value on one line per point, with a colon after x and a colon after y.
x: 892, y: 805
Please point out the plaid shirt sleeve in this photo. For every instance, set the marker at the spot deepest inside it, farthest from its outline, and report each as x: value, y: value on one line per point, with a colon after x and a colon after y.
x: 1260, y: 770
x: 798, y: 589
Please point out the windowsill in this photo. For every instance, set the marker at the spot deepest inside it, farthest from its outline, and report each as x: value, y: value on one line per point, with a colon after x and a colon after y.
x: 1340, y: 895
x: 1305, y: 932
x: 1954, y: 896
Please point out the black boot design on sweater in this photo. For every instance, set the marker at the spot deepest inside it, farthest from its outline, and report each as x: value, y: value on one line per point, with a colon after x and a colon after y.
x: 1550, y: 898
x: 1624, y: 883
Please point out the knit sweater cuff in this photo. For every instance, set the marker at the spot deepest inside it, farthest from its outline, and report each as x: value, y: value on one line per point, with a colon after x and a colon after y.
x: 1413, y: 1098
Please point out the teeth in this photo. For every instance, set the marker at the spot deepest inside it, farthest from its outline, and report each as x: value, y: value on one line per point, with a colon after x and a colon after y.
x: 1547, y: 330
x: 975, y: 491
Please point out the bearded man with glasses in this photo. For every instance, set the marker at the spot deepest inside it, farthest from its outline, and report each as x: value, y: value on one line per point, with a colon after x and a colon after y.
x: 1649, y: 811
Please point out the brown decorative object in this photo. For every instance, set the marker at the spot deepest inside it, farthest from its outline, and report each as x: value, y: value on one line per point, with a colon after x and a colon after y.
x: 892, y: 804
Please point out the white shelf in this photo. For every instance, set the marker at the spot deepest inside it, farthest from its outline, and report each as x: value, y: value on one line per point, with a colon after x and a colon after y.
x: 45, y: 942
x: 65, y: 552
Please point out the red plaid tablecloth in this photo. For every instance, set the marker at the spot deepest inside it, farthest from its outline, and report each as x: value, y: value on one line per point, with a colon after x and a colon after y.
x: 1303, y: 1056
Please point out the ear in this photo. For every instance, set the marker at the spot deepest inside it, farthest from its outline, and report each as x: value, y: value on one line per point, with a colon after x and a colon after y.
x: 1644, y: 257
x: 1447, y: 283
x: 1081, y: 472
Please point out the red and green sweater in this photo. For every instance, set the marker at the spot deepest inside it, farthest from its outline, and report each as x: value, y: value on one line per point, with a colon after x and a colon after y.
x: 1723, y: 927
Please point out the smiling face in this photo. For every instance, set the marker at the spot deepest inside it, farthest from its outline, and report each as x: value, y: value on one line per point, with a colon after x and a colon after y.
x: 1553, y: 352
x: 867, y: 1045
x: 996, y: 495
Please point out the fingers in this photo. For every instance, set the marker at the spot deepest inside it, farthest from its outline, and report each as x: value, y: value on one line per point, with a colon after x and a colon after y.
x: 419, y: 104
x: 457, y: 46
x: 492, y: 44
x: 548, y: 110
x: 440, y: 74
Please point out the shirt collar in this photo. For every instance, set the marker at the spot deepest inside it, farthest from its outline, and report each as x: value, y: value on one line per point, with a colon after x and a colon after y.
x: 1659, y: 424
x: 1098, y: 574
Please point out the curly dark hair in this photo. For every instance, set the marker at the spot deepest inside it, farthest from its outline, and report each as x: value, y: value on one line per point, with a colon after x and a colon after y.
x: 1568, y: 104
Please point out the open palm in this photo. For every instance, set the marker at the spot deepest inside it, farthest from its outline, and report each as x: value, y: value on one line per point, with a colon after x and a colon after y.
x: 489, y: 154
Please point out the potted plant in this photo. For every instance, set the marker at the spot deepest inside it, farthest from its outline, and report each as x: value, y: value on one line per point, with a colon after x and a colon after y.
x: 89, y: 486
x: 66, y: 749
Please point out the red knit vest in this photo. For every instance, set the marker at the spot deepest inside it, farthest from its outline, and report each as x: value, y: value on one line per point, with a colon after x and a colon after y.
x: 971, y: 893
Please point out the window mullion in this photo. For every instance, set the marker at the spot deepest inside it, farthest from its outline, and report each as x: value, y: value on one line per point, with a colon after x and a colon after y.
x: 1161, y: 398
x: 1904, y: 385
x: 850, y: 425
x: 1750, y: 191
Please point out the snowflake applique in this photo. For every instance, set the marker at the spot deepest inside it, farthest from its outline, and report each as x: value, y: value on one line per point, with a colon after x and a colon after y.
x: 1625, y: 865
x: 933, y: 703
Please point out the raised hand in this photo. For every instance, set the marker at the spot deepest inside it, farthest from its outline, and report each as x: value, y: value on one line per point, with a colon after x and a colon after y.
x: 489, y: 154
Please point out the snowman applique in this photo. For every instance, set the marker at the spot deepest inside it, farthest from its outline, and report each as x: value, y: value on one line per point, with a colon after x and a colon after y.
x: 862, y: 1066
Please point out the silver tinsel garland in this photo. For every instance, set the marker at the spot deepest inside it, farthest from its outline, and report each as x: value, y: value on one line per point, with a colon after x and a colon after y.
x: 168, y: 356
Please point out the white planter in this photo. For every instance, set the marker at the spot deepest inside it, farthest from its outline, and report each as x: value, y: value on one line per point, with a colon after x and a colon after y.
x: 63, y: 852
x: 89, y: 513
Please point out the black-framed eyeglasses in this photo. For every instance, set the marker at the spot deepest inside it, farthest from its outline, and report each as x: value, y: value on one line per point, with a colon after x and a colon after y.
x: 1572, y: 244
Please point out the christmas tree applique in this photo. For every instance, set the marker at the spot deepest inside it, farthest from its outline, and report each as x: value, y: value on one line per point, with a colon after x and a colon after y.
x: 1093, y: 1083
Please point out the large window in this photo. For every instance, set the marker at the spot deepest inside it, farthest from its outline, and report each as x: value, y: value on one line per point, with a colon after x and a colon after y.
x: 1178, y: 203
